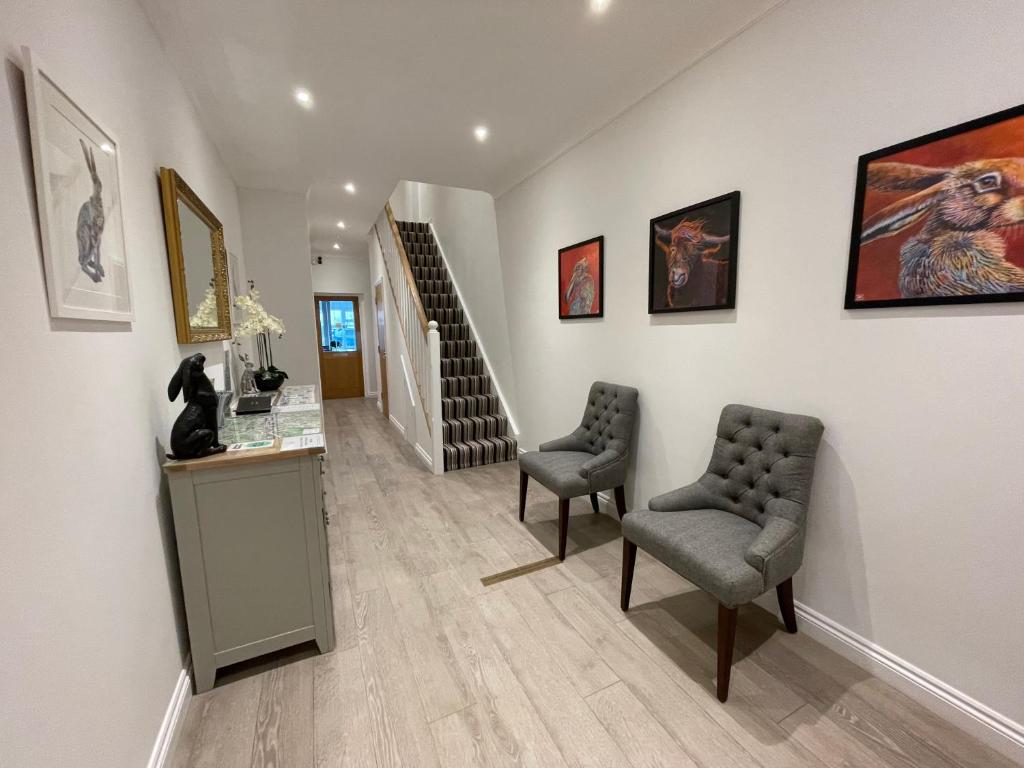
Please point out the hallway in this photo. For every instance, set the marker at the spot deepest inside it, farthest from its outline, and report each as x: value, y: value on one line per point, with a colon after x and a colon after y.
x: 433, y: 669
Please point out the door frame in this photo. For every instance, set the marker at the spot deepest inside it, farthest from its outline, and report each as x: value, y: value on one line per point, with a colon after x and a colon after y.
x: 359, y: 302
x: 380, y: 317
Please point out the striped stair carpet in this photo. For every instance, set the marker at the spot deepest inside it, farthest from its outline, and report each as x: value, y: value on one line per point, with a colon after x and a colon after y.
x: 475, y: 428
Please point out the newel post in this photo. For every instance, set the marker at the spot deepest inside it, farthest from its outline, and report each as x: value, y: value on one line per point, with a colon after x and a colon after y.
x: 437, y: 438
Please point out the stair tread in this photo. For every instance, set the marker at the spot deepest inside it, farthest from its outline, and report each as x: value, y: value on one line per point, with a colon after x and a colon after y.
x: 458, y: 352
x: 479, y: 452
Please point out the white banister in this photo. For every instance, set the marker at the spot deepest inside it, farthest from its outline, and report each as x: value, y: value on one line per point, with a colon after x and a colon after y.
x: 436, y: 431
x: 422, y: 339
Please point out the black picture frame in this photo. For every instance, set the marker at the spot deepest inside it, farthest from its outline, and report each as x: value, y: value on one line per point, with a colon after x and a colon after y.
x: 565, y: 315
x: 657, y: 286
x: 860, y: 196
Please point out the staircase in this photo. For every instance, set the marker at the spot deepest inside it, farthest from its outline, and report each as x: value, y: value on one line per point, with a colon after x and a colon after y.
x: 475, y: 430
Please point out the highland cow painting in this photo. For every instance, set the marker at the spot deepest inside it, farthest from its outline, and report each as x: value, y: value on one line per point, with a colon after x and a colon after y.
x: 581, y: 280
x: 693, y: 257
x: 940, y: 219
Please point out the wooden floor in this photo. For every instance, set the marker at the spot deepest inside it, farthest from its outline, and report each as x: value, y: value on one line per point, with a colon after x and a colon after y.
x: 433, y: 669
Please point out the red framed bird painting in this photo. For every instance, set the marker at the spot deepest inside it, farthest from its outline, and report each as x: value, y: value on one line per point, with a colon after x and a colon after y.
x: 581, y: 280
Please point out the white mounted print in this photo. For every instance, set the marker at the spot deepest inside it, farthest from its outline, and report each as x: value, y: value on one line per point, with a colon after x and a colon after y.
x: 78, y: 193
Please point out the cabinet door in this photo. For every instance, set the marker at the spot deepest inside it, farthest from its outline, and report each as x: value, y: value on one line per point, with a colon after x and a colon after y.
x: 321, y: 565
x: 255, y: 554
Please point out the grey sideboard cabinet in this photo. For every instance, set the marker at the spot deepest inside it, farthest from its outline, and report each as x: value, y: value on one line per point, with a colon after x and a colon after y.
x: 252, y: 545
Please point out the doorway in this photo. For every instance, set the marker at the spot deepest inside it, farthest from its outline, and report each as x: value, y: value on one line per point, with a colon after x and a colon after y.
x: 341, y: 348
x: 382, y: 351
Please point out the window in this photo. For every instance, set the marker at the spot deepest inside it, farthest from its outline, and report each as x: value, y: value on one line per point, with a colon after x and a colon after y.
x: 338, y: 325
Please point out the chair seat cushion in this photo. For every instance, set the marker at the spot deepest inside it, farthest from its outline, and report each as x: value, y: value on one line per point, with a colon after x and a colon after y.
x: 558, y: 471
x: 704, y: 546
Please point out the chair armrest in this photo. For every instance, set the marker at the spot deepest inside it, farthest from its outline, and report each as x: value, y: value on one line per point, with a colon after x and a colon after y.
x: 693, y: 496
x: 777, y: 551
x: 567, y: 443
x: 600, y: 462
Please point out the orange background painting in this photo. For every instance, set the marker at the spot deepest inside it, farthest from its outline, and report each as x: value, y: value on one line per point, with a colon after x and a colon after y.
x: 566, y: 261
x: 879, y: 263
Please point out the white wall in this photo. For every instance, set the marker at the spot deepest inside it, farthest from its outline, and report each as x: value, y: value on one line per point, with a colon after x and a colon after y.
x: 276, y: 241
x: 350, y: 274
x: 92, y: 631
x: 465, y: 226
x: 915, y: 533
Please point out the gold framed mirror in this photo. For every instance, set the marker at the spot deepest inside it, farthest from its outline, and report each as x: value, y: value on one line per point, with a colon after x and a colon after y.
x: 198, y: 263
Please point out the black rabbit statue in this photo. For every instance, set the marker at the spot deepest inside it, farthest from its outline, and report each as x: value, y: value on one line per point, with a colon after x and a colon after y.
x: 194, y: 433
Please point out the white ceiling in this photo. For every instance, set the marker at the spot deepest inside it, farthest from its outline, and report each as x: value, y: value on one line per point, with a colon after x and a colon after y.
x: 400, y: 84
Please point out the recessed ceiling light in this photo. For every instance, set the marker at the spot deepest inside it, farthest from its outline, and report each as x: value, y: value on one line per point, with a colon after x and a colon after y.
x: 341, y: 225
x: 304, y: 98
x: 336, y: 247
x: 350, y: 188
x: 481, y: 132
x: 599, y: 6
x: 107, y: 148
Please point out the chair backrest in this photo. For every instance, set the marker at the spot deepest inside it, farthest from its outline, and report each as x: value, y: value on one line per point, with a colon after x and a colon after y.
x: 608, y: 418
x: 763, y: 463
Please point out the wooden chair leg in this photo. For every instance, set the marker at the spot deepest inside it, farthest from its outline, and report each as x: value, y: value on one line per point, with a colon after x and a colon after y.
x: 785, y: 593
x: 726, y: 641
x: 524, y: 479
x: 620, y: 500
x: 563, y: 526
x: 628, y: 564
x: 593, y: 503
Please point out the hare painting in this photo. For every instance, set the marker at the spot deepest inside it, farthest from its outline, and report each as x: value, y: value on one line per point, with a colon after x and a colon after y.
x: 960, y: 249
x: 90, y: 223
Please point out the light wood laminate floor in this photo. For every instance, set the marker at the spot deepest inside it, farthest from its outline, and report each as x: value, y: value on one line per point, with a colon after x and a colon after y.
x: 433, y: 669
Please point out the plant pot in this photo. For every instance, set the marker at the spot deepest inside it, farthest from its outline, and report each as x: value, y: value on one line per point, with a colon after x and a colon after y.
x: 269, y: 380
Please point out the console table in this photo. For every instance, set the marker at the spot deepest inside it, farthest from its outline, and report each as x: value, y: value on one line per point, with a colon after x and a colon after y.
x: 252, y: 544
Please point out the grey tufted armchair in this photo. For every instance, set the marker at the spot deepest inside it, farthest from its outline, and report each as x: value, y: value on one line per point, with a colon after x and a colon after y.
x: 591, y: 459
x: 739, y: 530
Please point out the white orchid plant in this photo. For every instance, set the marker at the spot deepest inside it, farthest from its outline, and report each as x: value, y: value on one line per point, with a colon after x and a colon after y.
x: 261, y: 324
x: 206, y: 313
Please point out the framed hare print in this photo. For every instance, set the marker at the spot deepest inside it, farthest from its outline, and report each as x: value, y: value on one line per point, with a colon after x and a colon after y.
x: 940, y: 219
x: 78, y: 194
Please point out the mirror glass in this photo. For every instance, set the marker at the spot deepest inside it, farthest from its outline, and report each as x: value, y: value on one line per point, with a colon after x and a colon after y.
x: 196, y: 250
x: 198, y: 263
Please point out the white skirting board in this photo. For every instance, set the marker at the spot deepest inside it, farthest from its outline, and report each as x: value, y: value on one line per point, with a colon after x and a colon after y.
x: 991, y: 727
x: 398, y: 425
x: 174, y: 718
x: 424, y: 456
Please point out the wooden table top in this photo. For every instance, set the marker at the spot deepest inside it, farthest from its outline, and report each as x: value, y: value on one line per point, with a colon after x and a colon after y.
x: 256, y: 455
x: 239, y: 458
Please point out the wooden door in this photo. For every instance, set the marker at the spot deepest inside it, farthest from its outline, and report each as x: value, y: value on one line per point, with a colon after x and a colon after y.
x: 382, y: 352
x: 341, y: 353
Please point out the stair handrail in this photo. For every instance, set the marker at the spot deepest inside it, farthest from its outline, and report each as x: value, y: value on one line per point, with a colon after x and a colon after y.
x: 406, y: 267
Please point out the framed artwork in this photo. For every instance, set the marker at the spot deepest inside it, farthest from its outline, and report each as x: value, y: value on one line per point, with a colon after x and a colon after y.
x: 78, y: 194
x: 581, y: 280
x: 693, y: 257
x: 937, y: 220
